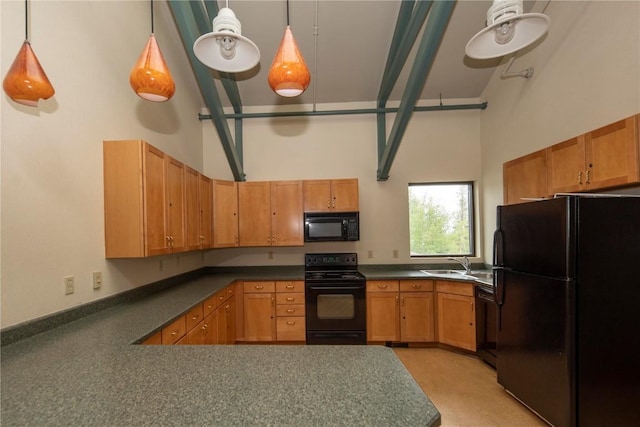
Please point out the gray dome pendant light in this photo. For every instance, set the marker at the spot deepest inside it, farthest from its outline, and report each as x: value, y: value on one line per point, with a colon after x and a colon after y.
x: 225, y: 48
x: 508, y: 30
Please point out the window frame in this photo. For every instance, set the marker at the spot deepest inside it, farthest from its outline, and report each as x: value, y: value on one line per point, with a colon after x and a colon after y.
x: 472, y: 218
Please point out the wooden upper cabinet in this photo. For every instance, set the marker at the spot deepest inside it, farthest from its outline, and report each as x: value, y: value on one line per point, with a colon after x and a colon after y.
x: 225, y: 214
x: 270, y: 213
x: 612, y: 154
x: 144, y: 200
x: 603, y: 158
x: 286, y: 213
x: 192, y: 208
x: 525, y: 178
x: 205, y: 191
x: 338, y: 195
x: 254, y: 213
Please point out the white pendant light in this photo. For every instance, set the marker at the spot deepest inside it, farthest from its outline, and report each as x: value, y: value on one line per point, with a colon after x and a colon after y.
x: 508, y: 30
x: 226, y: 49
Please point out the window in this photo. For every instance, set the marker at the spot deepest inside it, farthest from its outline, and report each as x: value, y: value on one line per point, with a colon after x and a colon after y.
x: 441, y: 219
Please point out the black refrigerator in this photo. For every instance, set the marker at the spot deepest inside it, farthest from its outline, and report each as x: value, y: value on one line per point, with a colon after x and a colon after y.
x: 567, y: 285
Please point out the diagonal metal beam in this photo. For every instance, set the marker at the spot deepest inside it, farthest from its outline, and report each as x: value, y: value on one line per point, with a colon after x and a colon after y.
x: 187, y: 27
x: 408, y: 24
x: 431, y: 37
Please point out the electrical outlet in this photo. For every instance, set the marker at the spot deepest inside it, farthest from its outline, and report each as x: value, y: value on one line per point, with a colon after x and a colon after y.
x: 97, y: 279
x: 395, y: 253
x: 69, y: 285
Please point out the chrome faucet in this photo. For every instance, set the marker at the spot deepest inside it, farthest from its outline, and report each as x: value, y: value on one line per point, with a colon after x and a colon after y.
x: 464, y: 261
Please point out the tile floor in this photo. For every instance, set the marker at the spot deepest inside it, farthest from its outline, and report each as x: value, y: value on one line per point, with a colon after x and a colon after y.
x: 465, y: 390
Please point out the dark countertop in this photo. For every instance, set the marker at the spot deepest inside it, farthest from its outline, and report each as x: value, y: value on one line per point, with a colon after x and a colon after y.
x: 88, y: 372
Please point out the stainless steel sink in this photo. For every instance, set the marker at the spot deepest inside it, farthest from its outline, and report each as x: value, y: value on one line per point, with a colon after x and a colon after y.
x: 482, y: 275
x: 441, y: 272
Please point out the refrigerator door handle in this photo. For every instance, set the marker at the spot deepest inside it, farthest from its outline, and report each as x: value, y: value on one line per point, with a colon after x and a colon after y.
x: 498, y: 285
x: 498, y: 248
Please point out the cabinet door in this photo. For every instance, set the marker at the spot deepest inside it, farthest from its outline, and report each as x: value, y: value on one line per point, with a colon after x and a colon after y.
x: 416, y: 317
x: 344, y: 195
x: 317, y: 195
x: 175, y: 205
x: 612, y: 155
x: 287, y: 216
x: 383, y: 313
x: 192, y: 208
x: 259, y: 317
x: 154, y: 201
x: 456, y: 320
x: 230, y: 314
x: 525, y: 177
x: 254, y: 213
x: 225, y: 214
x: 566, y: 166
x: 205, y: 191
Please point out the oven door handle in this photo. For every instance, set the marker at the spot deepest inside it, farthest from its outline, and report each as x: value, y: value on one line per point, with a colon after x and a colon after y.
x: 335, y: 288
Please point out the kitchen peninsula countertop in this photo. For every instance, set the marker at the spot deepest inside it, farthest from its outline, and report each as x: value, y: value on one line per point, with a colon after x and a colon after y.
x: 89, y: 372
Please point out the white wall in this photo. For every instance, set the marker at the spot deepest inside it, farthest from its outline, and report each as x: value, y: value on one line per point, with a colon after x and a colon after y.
x: 51, y: 161
x: 438, y: 146
x: 587, y: 74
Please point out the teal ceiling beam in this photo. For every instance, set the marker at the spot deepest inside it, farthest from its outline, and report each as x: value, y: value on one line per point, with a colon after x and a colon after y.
x: 187, y: 27
x: 431, y: 37
x: 480, y: 106
x: 405, y: 36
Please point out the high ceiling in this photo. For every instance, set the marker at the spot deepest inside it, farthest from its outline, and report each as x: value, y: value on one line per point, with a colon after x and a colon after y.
x: 347, y: 58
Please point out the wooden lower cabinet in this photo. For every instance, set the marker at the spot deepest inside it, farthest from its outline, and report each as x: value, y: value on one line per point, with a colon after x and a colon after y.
x: 259, y: 311
x: 290, y: 315
x: 400, y: 311
x: 456, y: 315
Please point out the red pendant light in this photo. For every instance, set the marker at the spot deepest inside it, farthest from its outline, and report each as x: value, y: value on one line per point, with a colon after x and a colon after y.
x: 26, y: 82
x: 150, y: 77
x: 289, y: 75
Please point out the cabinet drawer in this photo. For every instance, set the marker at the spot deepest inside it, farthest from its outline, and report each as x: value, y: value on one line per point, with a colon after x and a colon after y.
x: 290, y: 310
x: 213, y: 302
x: 416, y: 285
x: 290, y: 298
x: 290, y: 329
x: 193, y: 316
x: 174, y: 331
x: 259, y: 287
x: 290, y: 286
x: 457, y: 288
x: 382, y: 286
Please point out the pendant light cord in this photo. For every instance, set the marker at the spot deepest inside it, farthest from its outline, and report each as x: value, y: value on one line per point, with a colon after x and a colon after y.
x: 151, y: 16
x: 287, y: 13
x: 26, y: 20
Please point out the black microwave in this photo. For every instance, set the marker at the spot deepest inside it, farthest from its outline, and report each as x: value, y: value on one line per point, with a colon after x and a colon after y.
x: 331, y: 226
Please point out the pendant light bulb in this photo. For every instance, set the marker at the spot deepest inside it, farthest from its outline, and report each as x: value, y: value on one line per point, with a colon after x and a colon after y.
x: 26, y: 82
x: 289, y: 75
x: 150, y: 77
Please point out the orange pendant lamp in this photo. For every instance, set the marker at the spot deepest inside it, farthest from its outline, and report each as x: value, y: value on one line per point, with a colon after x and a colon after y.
x: 150, y: 77
x: 289, y: 75
x: 26, y: 82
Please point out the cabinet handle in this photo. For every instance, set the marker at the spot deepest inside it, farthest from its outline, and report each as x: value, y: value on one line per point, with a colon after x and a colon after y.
x: 259, y: 286
x: 333, y: 205
x: 328, y: 204
x: 587, y: 175
x: 195, y: 317
x: 580, y: 178
x: 291, y: 322
x: 290, y: 299
x: 291, y: 310
x: 383, y: 286
x: 397, y: 300
x: 204, y: 327
x: 175, y: 332
x: 414, y: 286
x: 290, y: 286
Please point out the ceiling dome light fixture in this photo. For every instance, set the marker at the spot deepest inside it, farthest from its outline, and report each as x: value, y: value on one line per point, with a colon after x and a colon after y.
x: 226, y: 49
x: 26, y: 82
x: 508, y: 30
x: 289, y: 75
x: 150, y: 77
